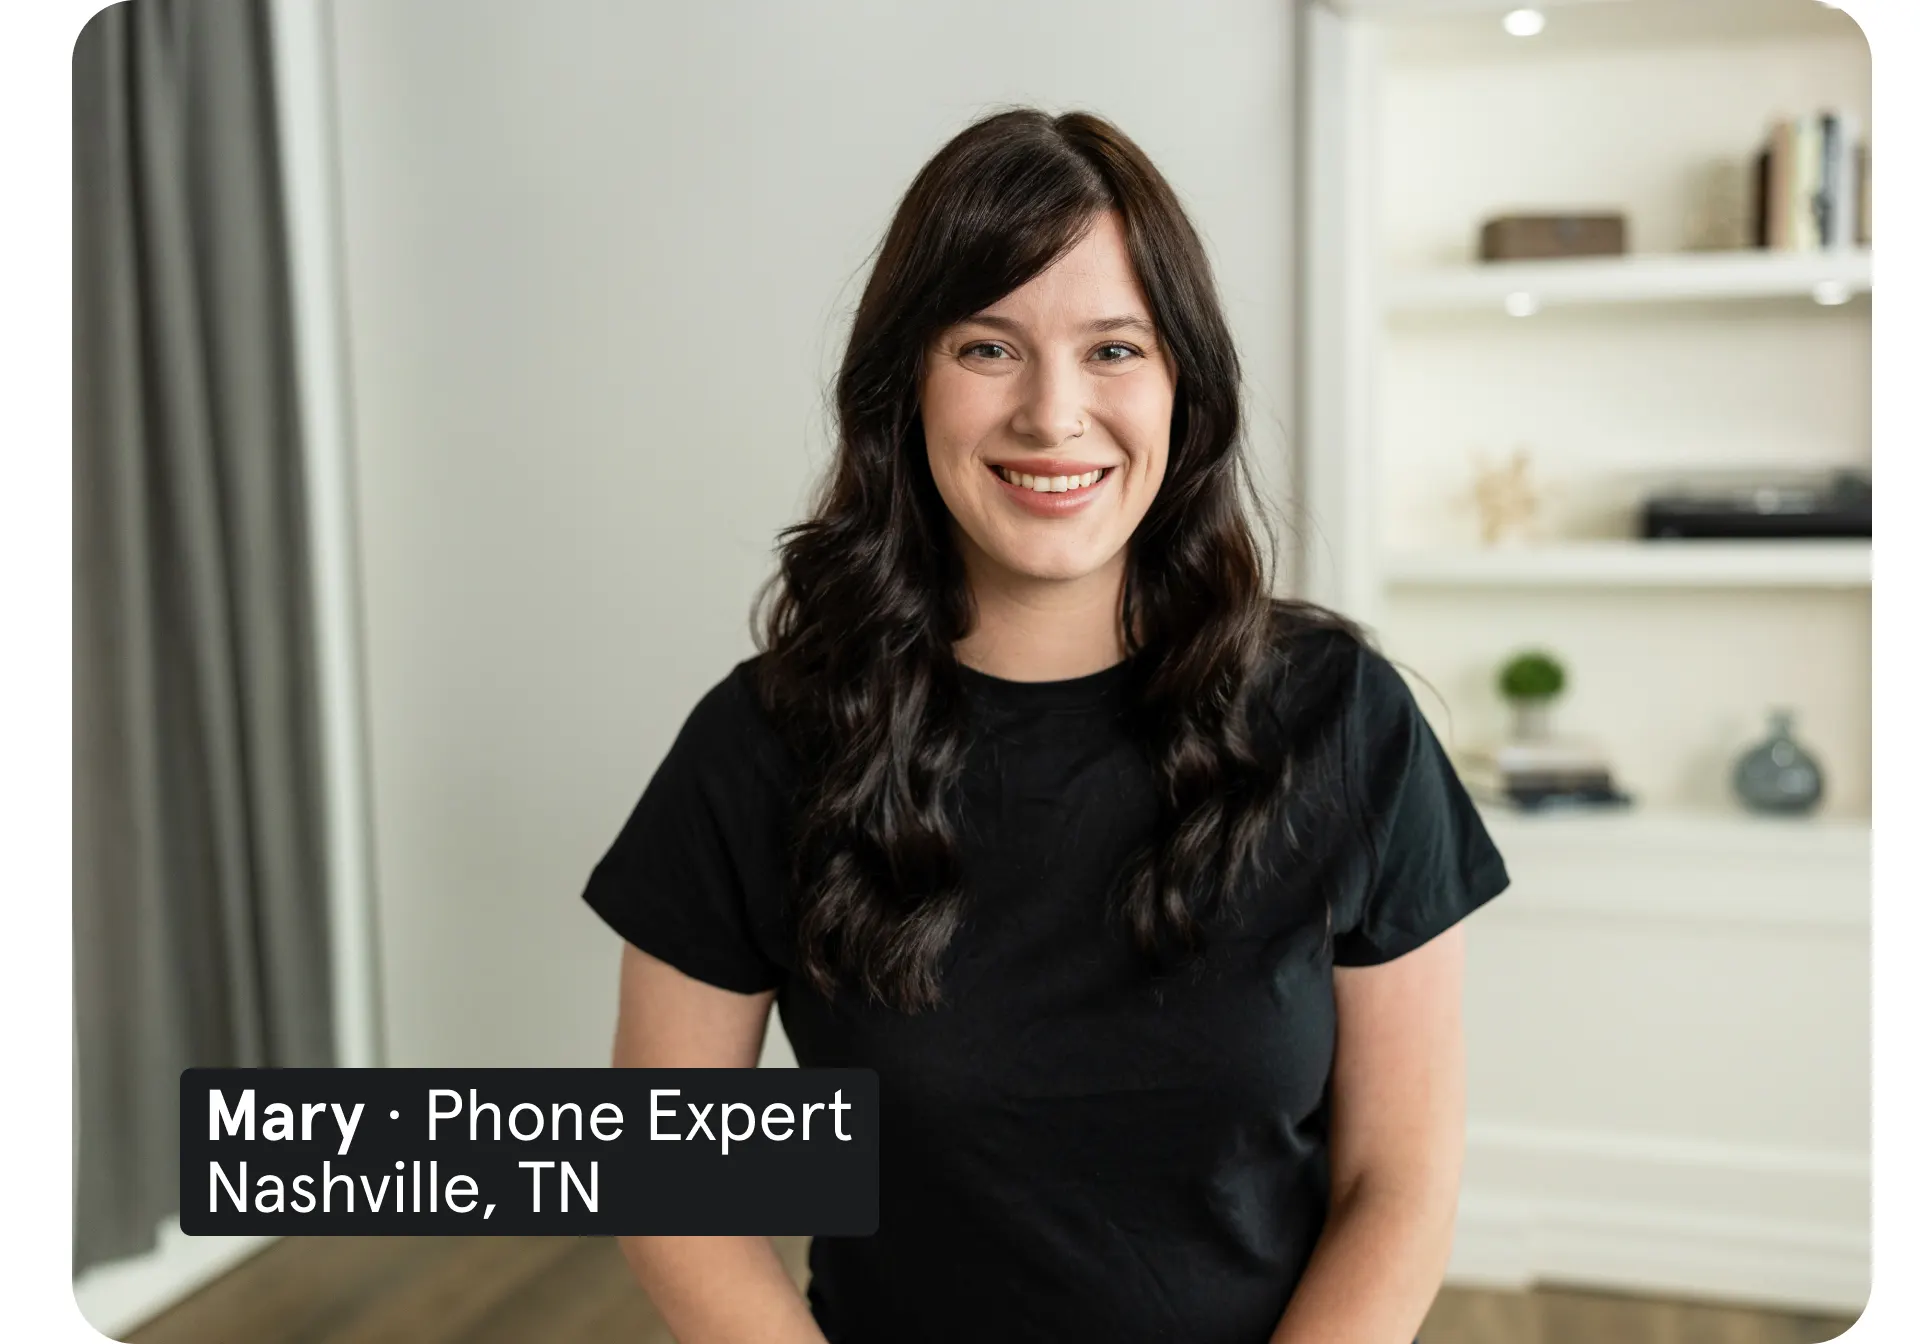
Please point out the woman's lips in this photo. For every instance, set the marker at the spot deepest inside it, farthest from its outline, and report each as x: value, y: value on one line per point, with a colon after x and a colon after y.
x: 1053, y: 503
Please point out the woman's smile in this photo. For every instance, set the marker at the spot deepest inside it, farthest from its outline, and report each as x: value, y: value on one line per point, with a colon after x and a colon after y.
x: 1052, y: 496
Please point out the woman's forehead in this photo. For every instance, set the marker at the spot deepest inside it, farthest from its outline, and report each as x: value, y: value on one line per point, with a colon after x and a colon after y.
x: 1089, y: 289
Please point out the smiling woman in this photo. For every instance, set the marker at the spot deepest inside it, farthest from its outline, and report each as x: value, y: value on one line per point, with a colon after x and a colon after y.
x: 1137, y: 886
x: 1053, y: 398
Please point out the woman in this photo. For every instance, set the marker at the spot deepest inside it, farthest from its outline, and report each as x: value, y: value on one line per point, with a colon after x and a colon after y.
x: 1039, y: 805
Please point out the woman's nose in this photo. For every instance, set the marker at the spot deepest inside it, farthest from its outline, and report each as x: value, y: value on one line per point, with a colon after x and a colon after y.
x: 1051, y: 409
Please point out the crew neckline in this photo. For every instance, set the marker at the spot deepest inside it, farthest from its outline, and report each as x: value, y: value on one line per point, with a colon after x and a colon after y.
x: 1094, y: 690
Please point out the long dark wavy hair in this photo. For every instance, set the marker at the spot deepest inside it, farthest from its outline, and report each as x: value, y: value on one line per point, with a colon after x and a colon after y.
x: 857, y: 627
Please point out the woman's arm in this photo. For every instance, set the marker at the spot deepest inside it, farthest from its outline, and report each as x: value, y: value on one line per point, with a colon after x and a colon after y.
x: 1396, y: 1143
x: 709, y: 1290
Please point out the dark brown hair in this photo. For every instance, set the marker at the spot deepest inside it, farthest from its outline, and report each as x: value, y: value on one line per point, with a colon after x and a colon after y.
x: 858, y: 669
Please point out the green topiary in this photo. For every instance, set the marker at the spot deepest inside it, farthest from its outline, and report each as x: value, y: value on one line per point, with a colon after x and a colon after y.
x: 1533, y: 675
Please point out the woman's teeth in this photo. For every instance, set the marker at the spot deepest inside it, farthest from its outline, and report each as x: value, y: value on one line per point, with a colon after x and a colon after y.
x: 1049, y: 484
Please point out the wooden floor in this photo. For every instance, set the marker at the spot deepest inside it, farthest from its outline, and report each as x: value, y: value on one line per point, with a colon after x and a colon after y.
x: 576, y: 1290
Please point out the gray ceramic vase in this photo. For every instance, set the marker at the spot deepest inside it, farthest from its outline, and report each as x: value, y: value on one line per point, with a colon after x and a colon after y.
x: 1778, y: 777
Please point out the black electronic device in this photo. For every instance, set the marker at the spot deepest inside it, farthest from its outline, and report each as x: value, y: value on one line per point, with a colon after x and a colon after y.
x: 1839, y: 505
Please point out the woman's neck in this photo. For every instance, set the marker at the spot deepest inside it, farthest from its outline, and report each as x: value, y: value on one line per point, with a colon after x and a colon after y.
x: 1042, y: 630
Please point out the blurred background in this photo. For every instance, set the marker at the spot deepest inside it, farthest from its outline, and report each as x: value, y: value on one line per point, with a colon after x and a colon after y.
x: 445, y: 368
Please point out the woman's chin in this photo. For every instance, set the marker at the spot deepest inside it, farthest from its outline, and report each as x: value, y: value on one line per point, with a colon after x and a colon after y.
x: 1052, y: 567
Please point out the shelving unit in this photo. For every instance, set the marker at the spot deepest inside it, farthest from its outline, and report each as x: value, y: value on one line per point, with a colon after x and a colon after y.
x: 1829, y: 278
x: 1417, y: 361
x: 1638, y: 564
x: 1677, y: 976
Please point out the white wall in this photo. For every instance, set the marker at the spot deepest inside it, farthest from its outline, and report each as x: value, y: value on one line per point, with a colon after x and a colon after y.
x: 599, y: 258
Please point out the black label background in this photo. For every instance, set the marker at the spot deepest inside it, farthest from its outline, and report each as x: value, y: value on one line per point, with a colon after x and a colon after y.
x: 821, y: 1186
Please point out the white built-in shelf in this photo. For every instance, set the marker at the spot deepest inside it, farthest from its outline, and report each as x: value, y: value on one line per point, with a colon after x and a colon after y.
x: 1667, y: 828
x: 1670, y: 834
x: 1639, y: 564
x: 1842, y: 276
x: 1724, y: 867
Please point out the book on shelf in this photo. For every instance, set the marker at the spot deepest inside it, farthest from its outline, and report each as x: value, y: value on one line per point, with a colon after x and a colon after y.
x: 1810, y: 186
x: 1537, y: 776
x: 1863, y: 209
x: 1839, y: 201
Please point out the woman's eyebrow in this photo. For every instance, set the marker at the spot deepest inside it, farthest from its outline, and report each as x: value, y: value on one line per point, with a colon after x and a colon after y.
x: 1125, y: 321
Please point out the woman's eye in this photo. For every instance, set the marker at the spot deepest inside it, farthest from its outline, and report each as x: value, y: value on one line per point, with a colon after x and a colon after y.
x: 993, y: 350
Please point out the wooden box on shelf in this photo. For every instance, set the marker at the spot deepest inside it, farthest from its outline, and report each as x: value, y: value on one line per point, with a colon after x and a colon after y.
x: 1532, y: 237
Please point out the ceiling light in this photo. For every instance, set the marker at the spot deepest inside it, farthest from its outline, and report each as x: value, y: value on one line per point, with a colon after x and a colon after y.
x: 1524, y: 22
x: 1831, y: 292
x: 1522, y: 304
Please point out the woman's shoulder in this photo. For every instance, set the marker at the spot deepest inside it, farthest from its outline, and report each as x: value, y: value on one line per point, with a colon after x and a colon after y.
x: 1313, y: 646
x: 729, y: 728
x: 1327, y: 667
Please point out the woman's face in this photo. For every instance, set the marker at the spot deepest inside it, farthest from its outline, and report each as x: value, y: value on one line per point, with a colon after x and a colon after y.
x: 1061, y: 378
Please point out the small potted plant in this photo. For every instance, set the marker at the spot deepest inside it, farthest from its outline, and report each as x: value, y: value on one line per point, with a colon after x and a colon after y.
x: 1530, y: 682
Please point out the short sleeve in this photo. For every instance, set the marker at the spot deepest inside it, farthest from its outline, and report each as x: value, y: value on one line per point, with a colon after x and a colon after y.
x: 1436, y: 864
x: 694, y: 876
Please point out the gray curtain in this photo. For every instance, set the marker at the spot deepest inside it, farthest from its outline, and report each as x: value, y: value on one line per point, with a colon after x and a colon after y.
x: 200, y: 923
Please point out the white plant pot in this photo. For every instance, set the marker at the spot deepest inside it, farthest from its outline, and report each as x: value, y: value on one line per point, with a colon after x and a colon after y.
x: 1532, y: 720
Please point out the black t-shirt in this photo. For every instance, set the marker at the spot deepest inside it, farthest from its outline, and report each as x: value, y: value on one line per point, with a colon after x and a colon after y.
x: 1065, y: 1154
